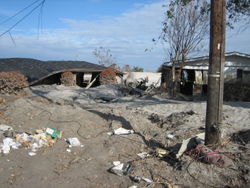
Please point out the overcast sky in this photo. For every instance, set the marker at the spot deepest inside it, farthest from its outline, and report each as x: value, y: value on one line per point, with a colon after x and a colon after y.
x: 72, y: 29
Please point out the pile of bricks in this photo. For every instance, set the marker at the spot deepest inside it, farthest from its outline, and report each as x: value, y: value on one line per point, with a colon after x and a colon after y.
x: 68, y: 79
x: 12, y: 82
x: 108, y: 76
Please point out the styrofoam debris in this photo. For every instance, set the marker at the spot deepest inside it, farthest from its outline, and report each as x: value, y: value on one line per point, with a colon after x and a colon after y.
x: 121, y: 131
x: 32, y: 153
x: 120, y: 169
x: 139, y: 179
x: 147, y: 180
x: 68, y: 150
x: 115, y: 163
x: 5, y: 128
x: 143, y: 155
x: 73, y: 141
x: 170, y: 136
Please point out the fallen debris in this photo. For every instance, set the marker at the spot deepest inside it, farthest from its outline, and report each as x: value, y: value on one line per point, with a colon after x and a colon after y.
x: 4, y: 128
x: 173, y: 120
x: 143, y: 155
x: 32, y: 142
x: 32, y: 153
x: 74, y: 142
x: 203, y: 153
x: 161, y: 152
x: 189, y: 143
x: 139, y: 179
x: 120, y: 169
x: 121, y: 131
x: 53, y: 132
x: 170, y: 136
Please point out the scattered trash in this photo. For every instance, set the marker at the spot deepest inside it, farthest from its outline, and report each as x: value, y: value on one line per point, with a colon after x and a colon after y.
x: 5, y: 128
x: 8, y: 143
x: 68, y: 150
x: 73, y: 142
x: 120, y: 131
x: 161, y: 152
x: 170, y: 136
x: 189, y: 143
x: 53, y: 132
x: 9, y: 134
x: 203, y: 153
x: 115, y: 163
x: 133, y: 186
x: 32, y: 153
x: 121, y: 168
x: 139, y: 179
x: 31, y: 141
x: 200, y: 138
x: 143, y: 155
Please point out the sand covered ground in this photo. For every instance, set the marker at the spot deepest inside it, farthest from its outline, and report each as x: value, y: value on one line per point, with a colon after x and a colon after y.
x: 90, y: 115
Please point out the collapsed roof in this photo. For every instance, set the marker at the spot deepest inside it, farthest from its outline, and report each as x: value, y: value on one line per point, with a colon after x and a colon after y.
x: 36, y: 70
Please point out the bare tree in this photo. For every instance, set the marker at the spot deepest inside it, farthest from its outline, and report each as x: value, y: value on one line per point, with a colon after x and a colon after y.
x: 104, y: 56
x: 185, y: 26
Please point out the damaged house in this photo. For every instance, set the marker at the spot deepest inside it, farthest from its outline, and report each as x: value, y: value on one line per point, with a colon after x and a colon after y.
x: 38, y: 72
x: 194, y: 74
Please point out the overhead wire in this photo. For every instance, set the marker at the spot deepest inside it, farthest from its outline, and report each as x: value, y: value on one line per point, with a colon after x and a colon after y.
x: 40, y: 20
x: 12, y: 39
x: 25, y: 8
x: 25, y: 16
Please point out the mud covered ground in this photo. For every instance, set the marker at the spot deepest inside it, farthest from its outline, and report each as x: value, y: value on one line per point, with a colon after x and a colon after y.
x: 90, y: 114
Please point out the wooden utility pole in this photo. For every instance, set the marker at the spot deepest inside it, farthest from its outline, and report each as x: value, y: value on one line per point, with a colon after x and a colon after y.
x: 215, y: 73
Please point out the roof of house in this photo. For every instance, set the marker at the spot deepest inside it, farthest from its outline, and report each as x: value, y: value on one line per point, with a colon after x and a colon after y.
x: 202, y: 58
x: 36, y: 70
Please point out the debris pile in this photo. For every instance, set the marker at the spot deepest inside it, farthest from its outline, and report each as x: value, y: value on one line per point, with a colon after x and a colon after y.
x: 40, y: 139
x: 173, y: 120
x: 68, y: 79
x: 108, y: 76
x: 12, y: 82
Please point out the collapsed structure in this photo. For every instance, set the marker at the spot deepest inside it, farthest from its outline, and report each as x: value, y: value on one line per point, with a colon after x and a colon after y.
x: 38, y: 72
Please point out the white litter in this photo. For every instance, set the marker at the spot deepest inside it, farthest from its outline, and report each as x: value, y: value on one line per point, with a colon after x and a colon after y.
x: 115, y: 163
x: 121, y: 168
x: 32, y: 153
x: 198, y: 139
x: 120, y: 131
x: 170, y: 136
x: 139, y: 179
x: 147, y: 180
x: 7, y: 144
x: 5, y: 128
x: 74, y: 142
x: 143, y: 155
x: 68, y: 150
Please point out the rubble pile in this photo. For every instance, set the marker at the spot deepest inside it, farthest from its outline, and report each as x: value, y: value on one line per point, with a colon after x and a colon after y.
x: 108, y: 76
x: 12, y: 82
x: 67, y: 79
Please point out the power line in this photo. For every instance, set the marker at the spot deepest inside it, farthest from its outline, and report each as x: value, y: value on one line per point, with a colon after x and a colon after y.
x: 19, y: 12
x: 40, y: 20
x: 25, y: 16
